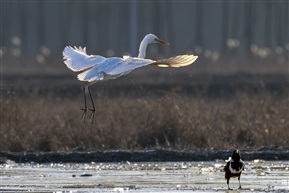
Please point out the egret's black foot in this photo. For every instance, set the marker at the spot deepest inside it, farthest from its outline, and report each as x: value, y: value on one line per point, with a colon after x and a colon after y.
x: 83, y: 114
x: 240, y: 188
x: 92, y: 115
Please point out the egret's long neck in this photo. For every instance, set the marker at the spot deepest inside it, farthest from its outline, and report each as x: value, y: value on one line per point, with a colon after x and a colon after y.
x: 142, y: 48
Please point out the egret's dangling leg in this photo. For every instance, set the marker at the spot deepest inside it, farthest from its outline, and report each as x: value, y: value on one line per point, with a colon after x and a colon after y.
x: 85, y: 105
x: 93, y: 106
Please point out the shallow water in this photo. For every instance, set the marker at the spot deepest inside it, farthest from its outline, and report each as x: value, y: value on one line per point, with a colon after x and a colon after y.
x: 259, y: 176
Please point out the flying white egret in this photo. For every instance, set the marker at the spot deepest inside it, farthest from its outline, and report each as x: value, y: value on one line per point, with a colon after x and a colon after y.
x: 94, y: 68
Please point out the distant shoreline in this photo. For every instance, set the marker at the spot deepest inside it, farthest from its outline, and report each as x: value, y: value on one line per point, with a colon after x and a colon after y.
x: 141, y: 156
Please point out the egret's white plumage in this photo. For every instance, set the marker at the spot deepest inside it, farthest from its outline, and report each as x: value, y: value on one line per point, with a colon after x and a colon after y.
x: 95, y: 68
x: 77, y: 60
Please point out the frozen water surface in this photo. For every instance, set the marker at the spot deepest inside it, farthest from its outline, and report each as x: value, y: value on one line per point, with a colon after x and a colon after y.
x: 259, y: 176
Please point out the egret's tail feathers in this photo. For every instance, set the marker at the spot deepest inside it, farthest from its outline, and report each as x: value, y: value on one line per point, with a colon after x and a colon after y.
x: 177, y: 61
x: 77, y: 60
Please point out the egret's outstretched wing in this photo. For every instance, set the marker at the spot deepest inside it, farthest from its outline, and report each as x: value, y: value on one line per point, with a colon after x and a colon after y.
x: 176, y: 61
x: 99, y: 72
x: 128, y: 64
x: 115, y: 67
x: 77, y: 60
x: 112, y: 68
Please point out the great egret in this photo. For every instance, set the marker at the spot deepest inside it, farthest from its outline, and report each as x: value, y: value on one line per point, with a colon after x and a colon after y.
x: 94, y: 68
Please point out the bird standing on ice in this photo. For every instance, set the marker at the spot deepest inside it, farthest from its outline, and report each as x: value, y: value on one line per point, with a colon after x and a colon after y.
x: 234, y: 167
x: 94, y: 68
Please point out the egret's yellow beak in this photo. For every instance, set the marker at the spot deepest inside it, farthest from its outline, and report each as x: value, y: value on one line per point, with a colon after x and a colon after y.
x: 163, y: 42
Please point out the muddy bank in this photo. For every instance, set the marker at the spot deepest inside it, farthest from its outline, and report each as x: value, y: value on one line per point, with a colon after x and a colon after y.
x: 141, y: 156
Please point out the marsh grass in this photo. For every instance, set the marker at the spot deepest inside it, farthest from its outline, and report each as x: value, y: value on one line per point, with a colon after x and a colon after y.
x: 172, y: 120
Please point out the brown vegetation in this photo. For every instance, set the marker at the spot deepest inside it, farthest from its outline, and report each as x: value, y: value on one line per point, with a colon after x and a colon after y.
x: 173, y: 119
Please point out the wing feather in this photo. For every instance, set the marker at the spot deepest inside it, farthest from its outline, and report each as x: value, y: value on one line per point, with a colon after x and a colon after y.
x: 177, y: 61
x: 100, y: 72
x: 129, y: 64
x: 77, y: 60
x: 90, y: 75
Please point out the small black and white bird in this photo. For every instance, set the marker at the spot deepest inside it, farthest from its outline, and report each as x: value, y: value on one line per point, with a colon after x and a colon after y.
x: 234, y: 167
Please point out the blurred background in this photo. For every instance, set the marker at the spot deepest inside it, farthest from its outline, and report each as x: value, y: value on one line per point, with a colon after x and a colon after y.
x: 248, y: 36
x: 237, y: 92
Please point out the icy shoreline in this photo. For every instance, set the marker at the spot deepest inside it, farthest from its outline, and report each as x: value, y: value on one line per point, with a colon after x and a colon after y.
x: 141, y: 156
